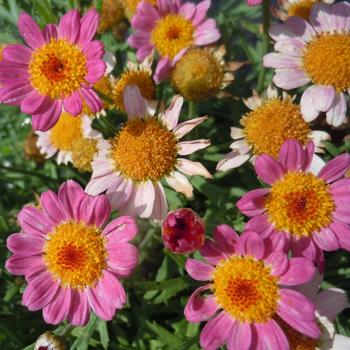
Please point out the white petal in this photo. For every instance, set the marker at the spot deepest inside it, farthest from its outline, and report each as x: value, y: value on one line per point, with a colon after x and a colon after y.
x: 134, y: 103
x: 120, y: 196
x: 110, y: 61
x: 144, y: 199
x: 241, y: 146
x: 317, y: 164
x: 308, y: 110
x: 318, y: 137
x: 341, y: 342
x: 160, y: 208
x: 189, y: 147
x: 236, y: 133
x: 337, y: 112
x: 171, y: 115
x: 180, y: 184
x: 184, y: 128
x: 232, y: 160
x: 88, y: 131
x: 99, y: 184
x: 191, y: 168
x: 253, y: 102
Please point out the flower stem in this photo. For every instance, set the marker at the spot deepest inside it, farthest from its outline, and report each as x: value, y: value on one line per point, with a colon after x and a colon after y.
x: 192, y: 110
x: 266, y: 40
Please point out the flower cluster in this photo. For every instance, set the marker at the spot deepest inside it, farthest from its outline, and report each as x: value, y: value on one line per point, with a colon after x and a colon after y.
x: 122, y: 126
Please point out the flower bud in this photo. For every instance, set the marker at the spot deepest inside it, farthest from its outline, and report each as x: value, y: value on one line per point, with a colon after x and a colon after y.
x: 49, y: 341
x: 183, y: 231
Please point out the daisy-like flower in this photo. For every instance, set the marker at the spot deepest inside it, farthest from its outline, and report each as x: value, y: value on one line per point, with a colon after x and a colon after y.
x: 111, y: 16
x: 170, y: 28
x: 202, y: 73
x: 145, y: 151
x: 48, y: 341
x: 300, y: 8
x: 301, y: 210
x: 250, y: 287
x: 317, y: 53
x: 131, y: 5
x: 57, y: 68
x: 84, y: 151
x: 139, y: 75
x: 72, y: 263
x: 272, y: 121
x: 62, y: 137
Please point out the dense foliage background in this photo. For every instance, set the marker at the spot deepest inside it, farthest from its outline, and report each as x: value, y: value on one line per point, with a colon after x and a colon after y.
x: 159, y: 288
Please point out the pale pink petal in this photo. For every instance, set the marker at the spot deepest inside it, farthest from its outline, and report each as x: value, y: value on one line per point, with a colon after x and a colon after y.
x: 240, y: 337
x: 290, y: 78
x: 188, y: 147
x: 326, y: 239
x: 278, y: 262
x: 308, y: 109
x: 301, y: 29
x: 253, y: 202
x: 271, y: 336
x: 216, y: 332
x: 320, y: 18
x: 17, y: 53
x: 340, y: 17
x: 122, y: 258
x: 69, y: 26
x: 180, y: 184
x: 88, y: 27
x: 291, y: 156
x: 206, y: 33
x: 94, y: 210
x: 188, y: 10
x: 139, y: 40
x: 184, y: 128
x: 73, y: 104
x: 250, y: 243
x: 337, y: 112
x: 171, y: 115
x: 199, y: 270
x: 322, y: 97
x: 33, y: 221
x: 331, y: 302
x: 300, y: 270
x: 121, y: 195
x: 121, y: 230
x: 199, y: 308
x: 50, y: 31
x: 160, y: 208
x: 30, y: 31
x: 40, y: 291
x: 201, y: 11
x: 280, y: 60
x: 335, y: 168
x: 134, y: 103
x: 190, y: 168
x: 268, y: 169
x: 24, y: 244
x: 57, y: 310
x: 144, y: 199
x: 162, y: 70
x: 290, y: 46
x: 232, y: 160
x: 99, y: 184
x: 79, y: 311
x: 145, y: 17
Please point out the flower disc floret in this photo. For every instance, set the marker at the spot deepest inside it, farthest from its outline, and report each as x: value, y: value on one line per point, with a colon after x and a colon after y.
x: 57, y: 69
x: 300, y: 204
x: 245, y: 288
x: 301, y: 8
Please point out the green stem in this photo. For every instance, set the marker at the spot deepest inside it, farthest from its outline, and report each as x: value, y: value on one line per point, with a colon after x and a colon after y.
x: 28, y: 172
x: 192, y: 110
x: 266, y: 41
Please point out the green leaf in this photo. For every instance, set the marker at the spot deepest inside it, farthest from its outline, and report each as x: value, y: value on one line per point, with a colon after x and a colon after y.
x: 84, y: 334
x: 102, y: 329
x: 167, y: 337
x: 45, y: 11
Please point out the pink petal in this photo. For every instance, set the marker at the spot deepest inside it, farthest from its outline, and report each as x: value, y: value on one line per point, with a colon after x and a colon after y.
x: 162, y: 69
x: 17, y: 53
x: 300, y: 271
x: 134, y: 103
x: 122, y: 229
x: 79, y: 311
x: 13, y: 93
x: 309, y: 154
x: 33, y: 102
x: 216, y: 332
x: 277, y: 240
x: 206, y: 33
x: 326, y: 239
x: 290, y: 78
x: 320, y: 18
x: 300, y: 28
x: 171, y: 115
x: 44, y: 121
x: 69, y: 26
x: 145, y: 17
x: 342, y: 231
x: 40, y: 291
x: 188, y: 10
x: 337, y: 112
x: 211, y: 252
x: 291, y: 156
x: 240, y: 337
x: 88, y: 27
x: 271, y: 336
x: 122, y: 258
x: 250, y: 243
x: 92, y: 99
x: 253, y: 202
x: 184, y: 128
x: 260, y: 224
x: 226, y: 238
x: 73, y: 104
x: 268, y: 169
x: 70, y: 196
x: 201, y: 12
x: 94, y: 50
x: 51, y: 207
x: 199, y: 308
x: 199, y: 270
x: 139, y: 40
x: 24, y: 244
x: 335, y: 168
x: 57, y: 310
x: 278, y: 262
x: 96, y: 70
x: 25, y: 265
x: 34, y: 222
x: 30, y: 31
x: 341, y: 190
x: 50, y: 31
x: 144, y: 199
x: 340, y: 16
x: 94, y: 210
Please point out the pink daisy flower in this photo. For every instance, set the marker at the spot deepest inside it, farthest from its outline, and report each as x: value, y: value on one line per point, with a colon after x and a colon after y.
x: 305, y: 211
x: 316, y: 53
x: 170, y: 28
x: 72, y: 263
x: 57, y: 69
x: 250, y: 287
x: 144, y: 152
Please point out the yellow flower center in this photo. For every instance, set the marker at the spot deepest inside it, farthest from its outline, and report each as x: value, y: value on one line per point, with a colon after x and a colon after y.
x: 83, y: 151
x: 270, y: 125
x: 300, y: 204
x: 297, y: 341
x: 67, y: 130
x: 327, y: 60
x: 171, y: 34
x: 131, y: 5
x: 112, y: 13
x: 57, y: 69
x: 198, y: 75
x: 75, y: 254
x: 144, y: 150
x: 301, y: 8
x: 141, y: 78
x: 245, y: 288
